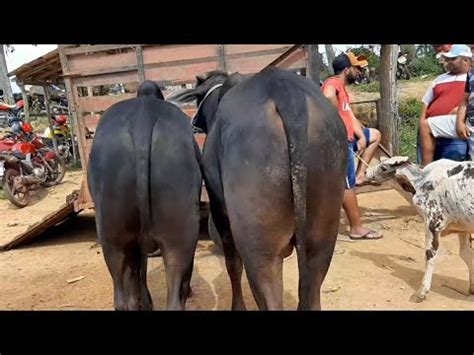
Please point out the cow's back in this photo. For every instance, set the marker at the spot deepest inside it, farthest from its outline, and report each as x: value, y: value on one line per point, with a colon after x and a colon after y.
x: 174, y: 179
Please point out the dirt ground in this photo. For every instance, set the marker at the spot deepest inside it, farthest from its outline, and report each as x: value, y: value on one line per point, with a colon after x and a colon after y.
x: 365, y: 275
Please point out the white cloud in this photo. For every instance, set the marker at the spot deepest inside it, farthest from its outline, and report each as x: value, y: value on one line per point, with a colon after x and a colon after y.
x: 23, y: 54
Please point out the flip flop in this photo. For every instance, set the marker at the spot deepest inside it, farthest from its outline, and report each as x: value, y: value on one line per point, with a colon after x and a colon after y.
x: 370, y: 235
x: 344, y: 238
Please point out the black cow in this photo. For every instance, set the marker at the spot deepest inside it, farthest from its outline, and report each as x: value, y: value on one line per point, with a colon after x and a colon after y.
x: 274, y: 164
x: 145, y: 181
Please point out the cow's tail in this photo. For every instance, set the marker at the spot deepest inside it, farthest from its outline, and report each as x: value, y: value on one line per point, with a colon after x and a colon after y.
x: 293, y: 111
x: 142, y: 130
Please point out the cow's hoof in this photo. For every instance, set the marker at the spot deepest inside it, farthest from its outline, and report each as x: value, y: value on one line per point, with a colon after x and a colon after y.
x: 419, y: 297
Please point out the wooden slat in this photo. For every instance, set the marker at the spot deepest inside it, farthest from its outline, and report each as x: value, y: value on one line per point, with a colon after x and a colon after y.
x: 183, y: 73
x: 250, y: 64
x: 101, y: 60
x: 221, y: 55
x: 91, y: 121
x: 102, y: 71
x: 247, y: 48
x: 289, y: 53
x: 101, y: 103
x: 140, y: 64
x: 108, y: 79
x: 50, y: 220
x: 84, y: 200
x: 296, y: 60
x: 161, y: 54
x: 94, y: 48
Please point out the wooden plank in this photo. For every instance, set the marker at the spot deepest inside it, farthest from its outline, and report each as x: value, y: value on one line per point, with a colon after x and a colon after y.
x: 84, y: 199
x: 108, y: 79
x: 183, y: 73
x: 101, y: 71
x: 140, y: 65
x: 101, y: 60
x: 289, y: 60
x: 71, y: 90
x: 81, y: 129
x: 91, y: 121
x: 248, y: 48
x: 249, y: 65
x: 101, y: 103
x: 221, y: 55
x: 94, y: 48
x: 170, y: 53
x: 50, y: 220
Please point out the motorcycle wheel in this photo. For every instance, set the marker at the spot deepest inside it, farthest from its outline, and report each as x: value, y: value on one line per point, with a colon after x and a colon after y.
x: 19, y: 199
x: 59, y: 166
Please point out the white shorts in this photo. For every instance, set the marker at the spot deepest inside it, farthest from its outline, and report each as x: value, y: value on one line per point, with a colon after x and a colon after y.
x: 445, y: 126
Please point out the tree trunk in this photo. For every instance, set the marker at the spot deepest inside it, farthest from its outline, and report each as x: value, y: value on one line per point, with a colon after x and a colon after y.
x: 330, y: 57
x: 313, y: 63
x: 388, y: 121
x: 5, y: 84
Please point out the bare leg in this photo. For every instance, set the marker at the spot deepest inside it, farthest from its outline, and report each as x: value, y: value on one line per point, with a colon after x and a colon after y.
x: 368, y: 154
x: 465, y: 251
x: 428, y: 143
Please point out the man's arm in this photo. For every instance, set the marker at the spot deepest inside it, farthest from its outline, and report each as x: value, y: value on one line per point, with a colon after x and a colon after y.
x: 359, y: 133
x: 461, y: 127
x: 330, y: 93
x: 424, y: 108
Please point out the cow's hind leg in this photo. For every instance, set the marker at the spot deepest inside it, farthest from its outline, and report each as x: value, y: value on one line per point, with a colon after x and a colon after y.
x: 431, y: 245
x: 265, y: 276
x: 178, y: 261
x: 314, y: 257
x: 465, y: 251
x: 128, y: 269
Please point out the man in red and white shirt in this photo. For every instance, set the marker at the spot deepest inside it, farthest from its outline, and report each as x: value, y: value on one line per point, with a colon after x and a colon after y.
x: 441, y: 101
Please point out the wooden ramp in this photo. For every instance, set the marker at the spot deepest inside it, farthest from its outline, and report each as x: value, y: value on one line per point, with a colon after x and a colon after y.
x: 48, y: 207
x: 52, y: 219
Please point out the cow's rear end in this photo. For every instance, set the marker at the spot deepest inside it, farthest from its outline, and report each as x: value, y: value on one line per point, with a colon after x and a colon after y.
x: 282, y: 155
x: 145, y: 181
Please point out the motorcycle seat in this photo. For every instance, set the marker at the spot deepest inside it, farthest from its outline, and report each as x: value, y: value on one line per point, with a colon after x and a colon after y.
x: 18, y: 155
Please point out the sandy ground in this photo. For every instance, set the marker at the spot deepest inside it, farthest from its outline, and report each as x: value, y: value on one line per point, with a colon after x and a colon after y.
x: 365, y: 275
x: 43, y: 201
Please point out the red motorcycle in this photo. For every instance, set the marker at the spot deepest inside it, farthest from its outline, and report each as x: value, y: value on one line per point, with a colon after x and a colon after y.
x: 27, y: 162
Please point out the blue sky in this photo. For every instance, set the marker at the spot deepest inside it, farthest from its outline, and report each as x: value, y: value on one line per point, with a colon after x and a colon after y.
x: 26, y: 53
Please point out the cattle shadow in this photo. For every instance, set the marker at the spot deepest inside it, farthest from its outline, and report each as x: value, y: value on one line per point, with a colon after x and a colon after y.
x: 447, y: 286
x: 77, y: 228
x: 215, y: 294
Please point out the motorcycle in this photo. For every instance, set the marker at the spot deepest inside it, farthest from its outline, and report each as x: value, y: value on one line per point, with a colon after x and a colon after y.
x: 63, y: 137
x: 27, y: 162
x: 402, y: 67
